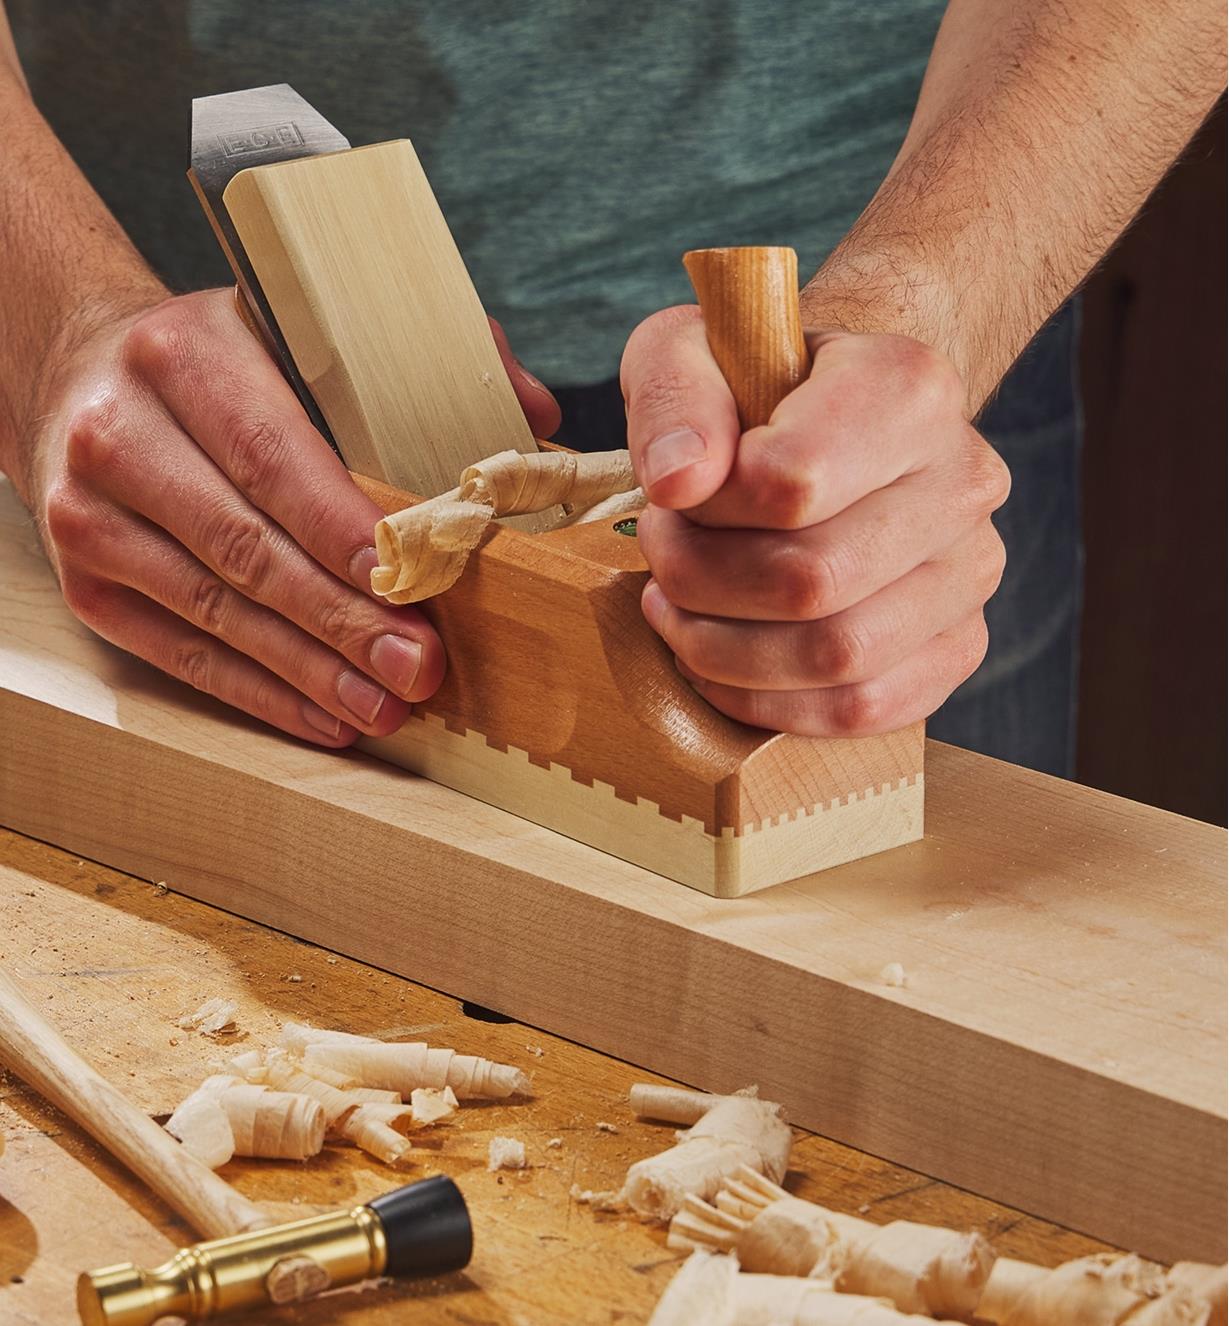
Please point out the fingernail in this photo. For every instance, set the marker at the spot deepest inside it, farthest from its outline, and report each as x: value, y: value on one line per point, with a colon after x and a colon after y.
x: 530, y: 380
x: 361, y: 696
x: 397, y: 661
x: 361, y: 566
x: 672, y: 452
x: 653, y: 605
x: 325, y: 723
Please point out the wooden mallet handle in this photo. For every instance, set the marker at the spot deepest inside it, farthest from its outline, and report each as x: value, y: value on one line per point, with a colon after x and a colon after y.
x: 749, y: 298
x: 39, y: 1055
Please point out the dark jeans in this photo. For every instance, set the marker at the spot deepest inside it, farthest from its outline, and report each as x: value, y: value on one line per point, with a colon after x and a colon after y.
x: 1020, y: 705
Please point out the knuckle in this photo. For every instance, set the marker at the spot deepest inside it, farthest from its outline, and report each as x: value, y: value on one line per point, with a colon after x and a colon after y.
x: 976, y: 643
x: 930, y: 377
x: 94, y: 438
x: 791, y: 494
x: 678, y: 573
x: 845, y: 653
x: 88, y: 598
x: 240, y: 549
x: 649, y: 380
x: 757, y: 708
x: 698, y: 648
x: 648, y: 335
x: 255, y: 451
x: 806, y: 585
x: 672, y: 579
x: 982, y: 483
x: 69, y: 523
x: 263, y: 699
x: 157, y: 344
x: 193, y: 663
x: 858, y: 712
x: 330, y: 539
x: 208, y: 606
x: 676, y: 317
x: 679, y: 320
x: 993, y: 562
x: 664, y: 392
x: 994, y: 477
x: 335, y: 623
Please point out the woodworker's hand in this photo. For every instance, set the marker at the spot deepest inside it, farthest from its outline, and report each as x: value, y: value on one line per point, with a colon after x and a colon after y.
x: 198, y: 520
x: 826, y: 573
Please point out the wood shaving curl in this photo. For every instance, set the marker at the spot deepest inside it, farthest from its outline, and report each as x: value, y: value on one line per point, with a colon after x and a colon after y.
x: 424, y: 549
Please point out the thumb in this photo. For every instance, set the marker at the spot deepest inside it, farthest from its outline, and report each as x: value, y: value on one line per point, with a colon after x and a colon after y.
x: 682, y: 423
x: 541, y: 408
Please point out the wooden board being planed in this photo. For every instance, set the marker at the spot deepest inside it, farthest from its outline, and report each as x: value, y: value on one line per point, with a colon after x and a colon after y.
x: 1059, y: 1044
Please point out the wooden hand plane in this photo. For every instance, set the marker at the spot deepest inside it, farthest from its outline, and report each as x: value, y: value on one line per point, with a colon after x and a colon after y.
x: 560, y: 704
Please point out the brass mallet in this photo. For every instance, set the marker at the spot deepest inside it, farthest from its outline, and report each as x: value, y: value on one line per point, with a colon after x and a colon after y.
x: 422, y: 1229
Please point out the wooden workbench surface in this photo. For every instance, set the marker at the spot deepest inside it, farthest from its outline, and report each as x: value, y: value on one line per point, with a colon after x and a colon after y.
x: 114, y: 962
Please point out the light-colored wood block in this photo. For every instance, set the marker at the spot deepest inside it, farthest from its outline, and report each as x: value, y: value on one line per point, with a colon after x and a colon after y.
x: 373, y: 299
x: 1059, y: 1043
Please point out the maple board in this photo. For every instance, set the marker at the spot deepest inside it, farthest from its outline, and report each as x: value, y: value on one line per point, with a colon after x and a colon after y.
x: 1059, y: 1044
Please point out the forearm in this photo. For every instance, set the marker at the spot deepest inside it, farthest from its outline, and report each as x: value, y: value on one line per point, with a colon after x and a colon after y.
x: 8, y: 50
x: 71, y: 266
x: 1039, y: 133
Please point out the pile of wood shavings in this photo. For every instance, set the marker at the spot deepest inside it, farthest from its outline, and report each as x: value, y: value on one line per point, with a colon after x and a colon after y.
x: 285, y: 1101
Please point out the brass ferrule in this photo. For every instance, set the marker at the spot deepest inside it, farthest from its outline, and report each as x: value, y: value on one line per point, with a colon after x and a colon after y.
x: 275, y: 1265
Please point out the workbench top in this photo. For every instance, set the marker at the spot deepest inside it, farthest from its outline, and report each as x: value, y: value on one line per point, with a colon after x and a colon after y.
x: 114, y: 962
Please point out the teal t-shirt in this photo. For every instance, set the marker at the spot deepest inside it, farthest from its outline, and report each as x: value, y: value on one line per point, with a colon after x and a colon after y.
x: 577, y: 149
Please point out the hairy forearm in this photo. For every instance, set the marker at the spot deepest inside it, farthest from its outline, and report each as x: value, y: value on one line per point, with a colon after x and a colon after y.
x: 71, y: 265
x: 1039, y: 133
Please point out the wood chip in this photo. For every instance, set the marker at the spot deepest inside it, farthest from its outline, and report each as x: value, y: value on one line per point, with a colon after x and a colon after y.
x: 603, y: 1200
x: 213, y: 1017
x: 505, y: 1153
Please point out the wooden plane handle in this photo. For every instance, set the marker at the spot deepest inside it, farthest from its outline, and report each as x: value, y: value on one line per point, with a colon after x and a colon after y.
x: 749, y: 298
